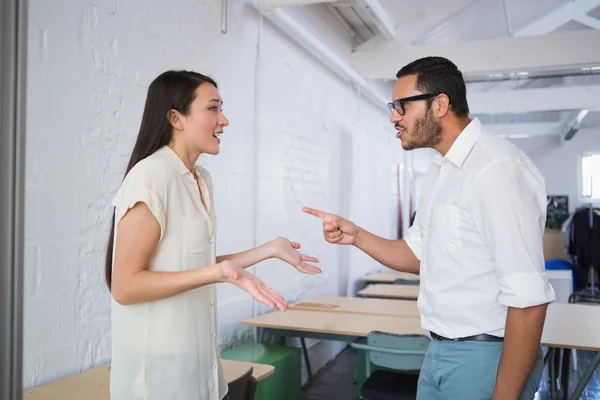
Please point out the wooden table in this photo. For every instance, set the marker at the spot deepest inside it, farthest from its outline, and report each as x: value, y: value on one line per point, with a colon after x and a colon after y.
x: 94, y: 383
x: 234, y: 369
x: 571, y: 326
x: 381, y: 290
x: 391, y: 277
x: 357, y: 305
x: 331, y: 325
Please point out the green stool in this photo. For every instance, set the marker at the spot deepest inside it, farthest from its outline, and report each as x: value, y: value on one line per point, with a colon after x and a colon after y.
x: 285, y: 383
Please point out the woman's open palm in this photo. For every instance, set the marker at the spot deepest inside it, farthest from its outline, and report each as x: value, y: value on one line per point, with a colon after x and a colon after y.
x: 241, y: 278
x: 287, y: 251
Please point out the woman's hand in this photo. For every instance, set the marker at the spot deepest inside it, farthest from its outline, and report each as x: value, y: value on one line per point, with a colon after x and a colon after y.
x: 287, y: 251
x: 231, y: 273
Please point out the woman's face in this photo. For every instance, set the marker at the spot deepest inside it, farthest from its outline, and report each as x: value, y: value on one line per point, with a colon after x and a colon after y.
x: 202, y: 127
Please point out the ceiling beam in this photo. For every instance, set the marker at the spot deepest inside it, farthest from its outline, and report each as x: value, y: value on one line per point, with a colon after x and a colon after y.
x: 414, y: 18
x: 558, y: 17
x: 314, y: 46
x: 266, y: 5
x: 525, y: 130
x: 534, y: 100
x: 379, y: 16
x: 588, y: 21
x: 572, y: 124
x: 524, y: 54
x: 550, y: 22
x: 382, y: 19
x: 417, y: 18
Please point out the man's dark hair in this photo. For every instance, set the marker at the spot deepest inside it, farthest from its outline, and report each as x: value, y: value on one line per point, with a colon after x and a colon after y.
x: 440, y: 75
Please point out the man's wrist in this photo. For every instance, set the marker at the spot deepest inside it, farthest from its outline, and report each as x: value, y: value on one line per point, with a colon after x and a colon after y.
x: 359, y: 238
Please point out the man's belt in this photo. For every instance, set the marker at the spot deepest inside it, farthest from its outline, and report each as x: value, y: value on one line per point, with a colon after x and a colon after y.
x: 481, y: 338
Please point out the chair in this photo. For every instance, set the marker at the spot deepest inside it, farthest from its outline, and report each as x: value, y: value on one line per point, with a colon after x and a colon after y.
x: 396, y: 352
x: 251, y: 388
x: 244, y: 387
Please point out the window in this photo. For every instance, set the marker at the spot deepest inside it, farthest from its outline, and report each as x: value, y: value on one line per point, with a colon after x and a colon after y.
x: 590, y: 177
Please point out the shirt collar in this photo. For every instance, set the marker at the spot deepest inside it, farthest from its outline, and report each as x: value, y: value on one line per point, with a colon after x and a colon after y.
x: 463, y: 144
x: 174, y: 159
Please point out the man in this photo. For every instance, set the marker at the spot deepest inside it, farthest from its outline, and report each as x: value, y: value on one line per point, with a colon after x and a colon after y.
x: 476, y: 242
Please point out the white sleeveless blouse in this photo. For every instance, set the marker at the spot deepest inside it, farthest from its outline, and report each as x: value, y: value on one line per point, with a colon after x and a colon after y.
x: 167, y: 349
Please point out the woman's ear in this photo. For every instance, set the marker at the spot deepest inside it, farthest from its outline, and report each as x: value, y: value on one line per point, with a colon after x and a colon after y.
x: 175, y: 119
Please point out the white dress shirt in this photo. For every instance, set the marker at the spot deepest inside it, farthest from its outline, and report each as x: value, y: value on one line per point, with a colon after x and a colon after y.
x: 478, y: 233
x: 167, y: 349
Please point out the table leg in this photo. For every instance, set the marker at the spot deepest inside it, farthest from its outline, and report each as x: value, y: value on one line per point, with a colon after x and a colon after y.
x: 552, y: 373
x: 306, y: 359
x: 586, y: 377
x: 565, y: 372
x: 547, y: 356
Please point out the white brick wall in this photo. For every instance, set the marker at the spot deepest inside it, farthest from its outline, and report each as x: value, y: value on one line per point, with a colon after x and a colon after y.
x: 317, y: 143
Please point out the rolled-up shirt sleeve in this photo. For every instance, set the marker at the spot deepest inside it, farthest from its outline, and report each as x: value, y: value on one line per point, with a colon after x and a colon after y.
x: 510, y: 213
x: 414, y: 237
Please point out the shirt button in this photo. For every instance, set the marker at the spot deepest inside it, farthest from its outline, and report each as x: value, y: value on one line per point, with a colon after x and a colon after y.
x: 214, y: 335
x: 212, y: 303
x: 212, y: 240
x: 214, y: 366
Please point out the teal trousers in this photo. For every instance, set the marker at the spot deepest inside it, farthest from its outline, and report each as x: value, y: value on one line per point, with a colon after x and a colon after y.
x: 467, y: 370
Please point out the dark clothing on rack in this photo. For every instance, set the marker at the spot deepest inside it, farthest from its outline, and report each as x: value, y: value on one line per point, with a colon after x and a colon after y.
x: 585, y: 239
x: 583, y: 243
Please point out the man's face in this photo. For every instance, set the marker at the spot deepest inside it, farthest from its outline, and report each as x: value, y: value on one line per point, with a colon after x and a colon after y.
x: 417, y: 127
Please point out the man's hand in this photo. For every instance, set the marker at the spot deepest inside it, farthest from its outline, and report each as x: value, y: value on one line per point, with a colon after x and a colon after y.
x: 335, y: 228
x: 231, y: 273
x: 394, y: 254
x: 287, y: 251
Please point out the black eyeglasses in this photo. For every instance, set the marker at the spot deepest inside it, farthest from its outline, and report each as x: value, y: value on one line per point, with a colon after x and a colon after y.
x: 398, y: 105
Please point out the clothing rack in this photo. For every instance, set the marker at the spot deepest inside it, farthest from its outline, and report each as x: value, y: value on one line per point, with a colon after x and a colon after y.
x: 589, y: 294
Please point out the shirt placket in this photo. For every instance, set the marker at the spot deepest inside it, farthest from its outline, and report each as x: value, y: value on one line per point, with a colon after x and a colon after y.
x: 213, y: 335
x: 444, y: 169
x: 213, y: 314
x: 202, y: 189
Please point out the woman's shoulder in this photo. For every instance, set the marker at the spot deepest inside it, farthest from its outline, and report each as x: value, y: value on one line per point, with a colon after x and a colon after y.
x: 153, y: 171
x: 146, y: 182
x: 149, y: 177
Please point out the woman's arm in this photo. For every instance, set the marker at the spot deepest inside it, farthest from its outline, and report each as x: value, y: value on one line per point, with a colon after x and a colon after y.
x: 280, y: 248
x: 250, y: 257
x: 132, y: 282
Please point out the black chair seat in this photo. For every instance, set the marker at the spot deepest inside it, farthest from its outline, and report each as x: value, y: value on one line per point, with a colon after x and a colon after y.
x: 389, y: 385
x: 244, y: 387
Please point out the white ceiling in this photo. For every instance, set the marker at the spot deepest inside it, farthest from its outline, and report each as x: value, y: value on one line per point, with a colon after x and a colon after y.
x: 484, y: 36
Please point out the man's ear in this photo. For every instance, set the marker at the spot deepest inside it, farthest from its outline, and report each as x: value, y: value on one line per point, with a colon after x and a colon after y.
x: 441, y: 105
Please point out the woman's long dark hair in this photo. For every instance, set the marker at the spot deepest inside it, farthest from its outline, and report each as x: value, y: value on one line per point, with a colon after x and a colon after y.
x: 171, y: 90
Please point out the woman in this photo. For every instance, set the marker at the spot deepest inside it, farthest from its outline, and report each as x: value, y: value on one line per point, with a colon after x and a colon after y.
x: 162, y: 270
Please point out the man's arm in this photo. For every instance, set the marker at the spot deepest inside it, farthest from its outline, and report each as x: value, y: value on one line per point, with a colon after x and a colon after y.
x: 510, y: 211
x: 522, y: 337
x: 394, y: 254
